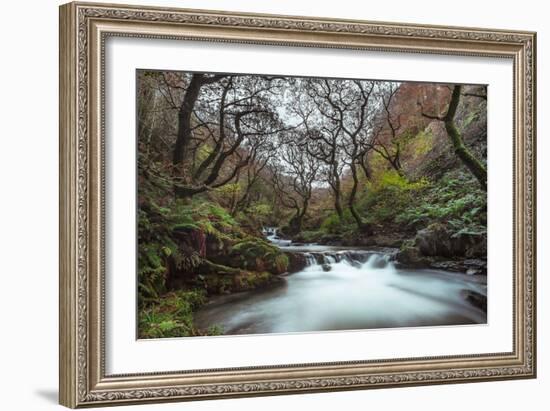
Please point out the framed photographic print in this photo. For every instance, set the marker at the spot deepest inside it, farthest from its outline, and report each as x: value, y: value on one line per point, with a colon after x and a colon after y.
x: 259, y: 204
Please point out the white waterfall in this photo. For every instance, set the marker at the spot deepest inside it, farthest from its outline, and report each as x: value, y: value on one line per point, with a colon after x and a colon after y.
x: 272, y: 236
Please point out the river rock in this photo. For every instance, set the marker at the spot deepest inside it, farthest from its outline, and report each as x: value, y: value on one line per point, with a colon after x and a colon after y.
x: 296, y: 261
x: 436, y: 240
x: 217, y: 283
x: 326, y: 267
x: 319, y: 257
x: 476, y: 299
x: 473, y: 266
x: 392, y: 240
x: 378, y: 261
x: 257, y: 255
x: 448, y: 265
x: 409, y: 256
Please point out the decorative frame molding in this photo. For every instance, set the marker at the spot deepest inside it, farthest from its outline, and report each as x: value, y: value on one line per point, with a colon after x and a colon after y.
x: 83, y: 30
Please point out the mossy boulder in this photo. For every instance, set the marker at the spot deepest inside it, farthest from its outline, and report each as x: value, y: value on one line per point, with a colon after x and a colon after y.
x: 248, y: 280
x: 448, y: 254
x: 296, y: 262
x: 437, y: 240
x: 258, y: 255
x: 409, y: 256
x: 217, y: 278
x: 242, y: 280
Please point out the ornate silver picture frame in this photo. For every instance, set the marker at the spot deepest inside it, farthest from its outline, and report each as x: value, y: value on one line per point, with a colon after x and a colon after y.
x: 84, y: 30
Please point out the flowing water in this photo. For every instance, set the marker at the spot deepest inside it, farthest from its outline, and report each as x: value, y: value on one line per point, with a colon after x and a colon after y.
x: 272, y: 236
x: 345, y: 289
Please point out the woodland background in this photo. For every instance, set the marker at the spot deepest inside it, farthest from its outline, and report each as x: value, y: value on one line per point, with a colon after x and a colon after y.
x: 328, y: 161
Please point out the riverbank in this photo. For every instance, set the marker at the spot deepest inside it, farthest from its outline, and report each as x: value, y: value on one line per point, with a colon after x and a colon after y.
x: 434, y: 247
x: 404, y: 258
x: 249, y: 272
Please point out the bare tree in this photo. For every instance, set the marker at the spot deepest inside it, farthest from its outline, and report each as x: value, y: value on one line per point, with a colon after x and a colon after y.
x: 223, y: 123
x: 198, y: 80
x: 357, y: 130
x: 342, y: 137
x: 324, y: 136
x: 386, y: 140
x: 252, y: 177
x: 293, y: 174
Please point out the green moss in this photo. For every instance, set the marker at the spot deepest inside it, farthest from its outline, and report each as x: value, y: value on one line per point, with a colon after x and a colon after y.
x: 215, y: 329
x: 421, y: 144
x: 171, y: 315
x: 160, y: 230
x: 281, y: 263
x: 216, y: 283
x: 258, y: 255
x: 392, y: 180
x: 472, y: 116
x: 248, y: 280
x: 389, y: 195
x: 210, y: 267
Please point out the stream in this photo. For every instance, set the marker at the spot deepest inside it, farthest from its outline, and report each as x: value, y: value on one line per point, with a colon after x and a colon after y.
x: 345, y: 288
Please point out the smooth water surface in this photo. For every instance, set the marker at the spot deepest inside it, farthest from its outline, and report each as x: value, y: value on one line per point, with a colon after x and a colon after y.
x: 362, y: 290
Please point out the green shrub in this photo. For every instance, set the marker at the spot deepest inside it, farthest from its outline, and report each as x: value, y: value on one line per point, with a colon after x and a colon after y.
x: 152, y: 269
x: 333, y: 224
x: 310, y: 236
x: 392, y: 180
x: 260, y: 212
x: 171, y: 315
x: 215, y: 329
x: 387, y: 197
x: 457, y: 202
x: 205, y: 216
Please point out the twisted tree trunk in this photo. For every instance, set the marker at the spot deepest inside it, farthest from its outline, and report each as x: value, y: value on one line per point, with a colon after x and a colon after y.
x: 184, y: 115
x: 475, y: 166
x: 470, y: 161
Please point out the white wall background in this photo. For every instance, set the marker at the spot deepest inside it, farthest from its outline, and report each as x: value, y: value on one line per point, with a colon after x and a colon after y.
x: 29, y: 189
